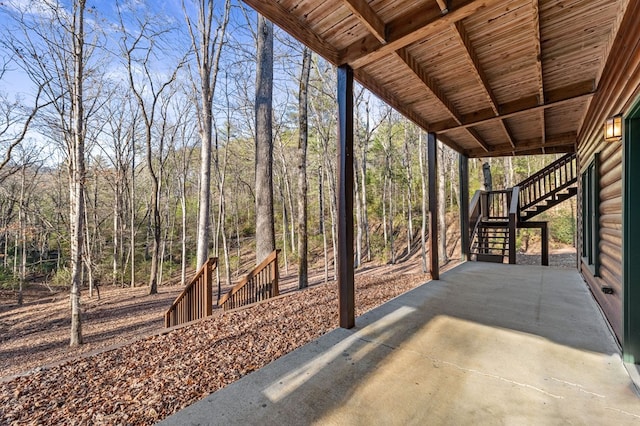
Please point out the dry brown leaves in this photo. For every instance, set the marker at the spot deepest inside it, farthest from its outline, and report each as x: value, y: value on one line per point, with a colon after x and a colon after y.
x: 149, y: 379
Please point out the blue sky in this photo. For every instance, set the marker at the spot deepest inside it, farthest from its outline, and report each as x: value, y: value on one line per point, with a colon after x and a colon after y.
x: 236, y: 74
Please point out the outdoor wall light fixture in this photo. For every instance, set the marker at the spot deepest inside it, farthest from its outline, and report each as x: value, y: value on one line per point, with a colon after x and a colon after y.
x: 613, y: 128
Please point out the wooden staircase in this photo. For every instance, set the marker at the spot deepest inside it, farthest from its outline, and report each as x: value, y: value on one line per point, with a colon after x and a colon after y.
x: 196, y: 300
x: 548, y: 187
x: 492, y: 242
x: 495, y: 216
x: 258, y: 285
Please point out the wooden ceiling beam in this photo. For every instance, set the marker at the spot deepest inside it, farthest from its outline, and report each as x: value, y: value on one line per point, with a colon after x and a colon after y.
x: 564, y: 140
x: 370, y: 19
x: 538, y: 47
x: 539, y: 71
x: 507, y: 131
x: 557, y: 97
x: 472, y: 57
x: 505, y: 152
x: 374, y: 87
x: 284, y: 19
x: 475, y: 135
x: 474, y: 62
x: 409, y: 28
x: 431, y: 84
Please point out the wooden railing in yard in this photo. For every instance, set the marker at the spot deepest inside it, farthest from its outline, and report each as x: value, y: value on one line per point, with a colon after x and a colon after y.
x: 259, y: 284
x: 196, y: 300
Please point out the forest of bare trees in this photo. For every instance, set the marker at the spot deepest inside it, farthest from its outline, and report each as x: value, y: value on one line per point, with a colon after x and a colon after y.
x: 137, y: 141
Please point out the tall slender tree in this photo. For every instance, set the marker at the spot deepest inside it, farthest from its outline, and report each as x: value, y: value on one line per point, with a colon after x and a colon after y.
x: 51, y: 51
x: 207, y: 47
x: 139, y: 46
x: 303, y: 280
x: 77, y: 170
x: 265, y: 231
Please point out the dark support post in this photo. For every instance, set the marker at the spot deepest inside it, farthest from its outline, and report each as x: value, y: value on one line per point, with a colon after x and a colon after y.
x: 463, y: 171
x: 346, y: 293
x: 432, y: 161
x: 544, y: 230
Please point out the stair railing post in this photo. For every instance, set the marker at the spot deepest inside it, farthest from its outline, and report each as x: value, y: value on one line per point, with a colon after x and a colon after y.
x: 276, y: 275
x: 513, y: 224
x: 208, y: 287
x: 484, y: 207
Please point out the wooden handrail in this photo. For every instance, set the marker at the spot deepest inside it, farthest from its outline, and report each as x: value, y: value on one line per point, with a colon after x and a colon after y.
x: 195, y: 301
x: 497, y: 204
x: 547, y: 182
x: 259, y: 284
x: 475, y: 217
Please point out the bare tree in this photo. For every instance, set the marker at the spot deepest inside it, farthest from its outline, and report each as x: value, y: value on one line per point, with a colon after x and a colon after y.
x: 207, y: 48
x: 138, y: 50
x: 423, y: 187
x: 15, y: 122
x: 265, y: 232
x: 442, y: 204
x: 52, y: 51
x: 303, y: 280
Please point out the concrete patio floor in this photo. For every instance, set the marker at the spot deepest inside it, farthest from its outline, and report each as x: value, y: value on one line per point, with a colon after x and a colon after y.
x: 487, y: 344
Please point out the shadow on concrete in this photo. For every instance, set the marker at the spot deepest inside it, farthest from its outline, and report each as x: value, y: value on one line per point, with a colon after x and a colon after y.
x: 491, y: 328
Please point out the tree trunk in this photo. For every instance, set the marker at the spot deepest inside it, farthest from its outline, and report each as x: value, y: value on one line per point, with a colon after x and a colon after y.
x: 442, y: 203
x: 23, y: 236
x: 321, y: 222
x: 265, y: 232
x: 407, y: 165
x: 508, y: 172
x: 358, y: 224
x: 207, y: 51
x: 423, y: 187
x: 284, y: 233
x: 133, y: 215
x: 155, y: 225
x: 183, y: 209
x: 77, y: 173
x: 116, y: 227
x: 303, y: 279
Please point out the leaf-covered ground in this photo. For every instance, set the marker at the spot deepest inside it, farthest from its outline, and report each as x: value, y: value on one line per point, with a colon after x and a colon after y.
x: 143, y: 380
x: 148, y: 379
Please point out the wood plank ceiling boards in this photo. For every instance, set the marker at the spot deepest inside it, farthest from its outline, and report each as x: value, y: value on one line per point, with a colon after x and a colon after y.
x: 489, y: 77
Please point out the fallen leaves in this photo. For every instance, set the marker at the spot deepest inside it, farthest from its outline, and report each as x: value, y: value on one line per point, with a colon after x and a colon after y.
x: 149, y: 379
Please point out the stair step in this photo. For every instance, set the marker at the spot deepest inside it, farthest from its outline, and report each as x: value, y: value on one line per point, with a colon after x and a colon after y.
x: 495, y: 258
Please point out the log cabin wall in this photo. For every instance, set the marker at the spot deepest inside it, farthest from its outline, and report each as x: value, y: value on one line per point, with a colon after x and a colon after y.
x: 618, y: 91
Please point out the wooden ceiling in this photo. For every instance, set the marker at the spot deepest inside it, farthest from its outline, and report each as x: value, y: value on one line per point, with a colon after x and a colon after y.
x: 490, y: 77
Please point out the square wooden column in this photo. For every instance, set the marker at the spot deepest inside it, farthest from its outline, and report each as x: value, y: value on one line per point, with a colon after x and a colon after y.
x: 463, y: 172
x: 432, y: 164
x: 346, y: 292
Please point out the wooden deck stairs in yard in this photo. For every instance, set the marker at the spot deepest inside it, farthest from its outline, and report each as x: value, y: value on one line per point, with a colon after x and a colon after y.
x: 258, y: 285
x: 495, y: 216
x: 196, y: 300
